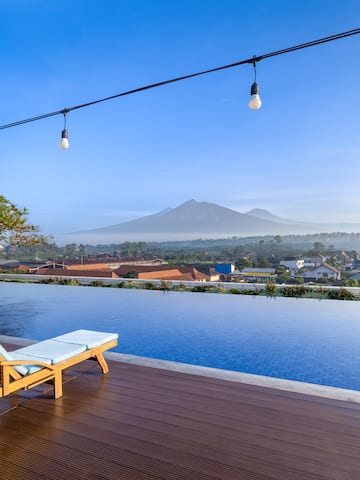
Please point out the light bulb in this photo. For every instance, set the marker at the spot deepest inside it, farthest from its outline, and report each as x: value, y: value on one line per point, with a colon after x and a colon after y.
x: 255, y: 101
x: 64, y: 144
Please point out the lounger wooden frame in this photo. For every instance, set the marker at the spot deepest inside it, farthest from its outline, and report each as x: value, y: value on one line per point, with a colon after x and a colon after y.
x: 12, y: 381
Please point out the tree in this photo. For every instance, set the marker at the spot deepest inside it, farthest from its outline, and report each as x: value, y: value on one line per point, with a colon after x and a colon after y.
x: 243, y: 263
x: 283, y: 274
x: 14, y: 229
x: 71, y: 250
x: 278, y: 239
x: 319, y: 247
x: 131, y: 274
x: 263, y: 263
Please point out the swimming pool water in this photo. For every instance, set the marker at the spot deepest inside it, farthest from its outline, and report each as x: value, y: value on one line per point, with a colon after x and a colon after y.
x: 316, y: 341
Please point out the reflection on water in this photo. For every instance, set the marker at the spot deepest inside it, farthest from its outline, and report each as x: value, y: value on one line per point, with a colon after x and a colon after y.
x: 16, y: 317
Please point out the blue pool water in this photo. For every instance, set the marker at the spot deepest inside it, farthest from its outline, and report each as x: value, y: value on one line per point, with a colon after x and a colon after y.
x: 316, y: 341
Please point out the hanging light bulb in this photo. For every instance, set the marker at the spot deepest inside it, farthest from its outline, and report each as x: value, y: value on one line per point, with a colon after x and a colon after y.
x: 255, y: 100
x: 64, y: 144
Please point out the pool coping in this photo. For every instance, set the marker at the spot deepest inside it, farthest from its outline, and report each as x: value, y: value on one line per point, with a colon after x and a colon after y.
x: 293, y: 386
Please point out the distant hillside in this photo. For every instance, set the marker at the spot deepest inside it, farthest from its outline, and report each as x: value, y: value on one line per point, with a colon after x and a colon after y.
x: 198, y: 218
x: 266, y: 215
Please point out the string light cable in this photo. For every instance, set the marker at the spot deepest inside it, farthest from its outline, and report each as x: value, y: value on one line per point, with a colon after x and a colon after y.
x: 254, y: 103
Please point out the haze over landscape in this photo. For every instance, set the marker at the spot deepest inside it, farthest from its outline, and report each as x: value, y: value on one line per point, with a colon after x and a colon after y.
x: 298, y: 156
x: 193, y: 219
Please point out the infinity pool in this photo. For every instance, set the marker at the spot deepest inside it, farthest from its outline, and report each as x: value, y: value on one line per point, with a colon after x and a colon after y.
x: 316, y: 341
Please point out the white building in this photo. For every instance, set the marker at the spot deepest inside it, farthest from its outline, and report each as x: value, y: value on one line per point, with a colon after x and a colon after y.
x: 293, y: 264
x: 322, y: 272
x: 311, y: 262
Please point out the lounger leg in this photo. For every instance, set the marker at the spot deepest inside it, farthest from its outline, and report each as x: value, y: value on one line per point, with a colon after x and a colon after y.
x: 5, y: 379
x: 58, y: 385
x: 102, y: 362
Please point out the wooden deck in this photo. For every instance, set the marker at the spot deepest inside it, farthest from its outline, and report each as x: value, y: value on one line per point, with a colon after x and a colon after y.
x: 140, y: 423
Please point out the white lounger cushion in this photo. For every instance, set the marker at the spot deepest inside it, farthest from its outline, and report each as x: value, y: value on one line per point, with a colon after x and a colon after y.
x: 56, y: 349
x: 48, y: 351
x: 22, y: 369
x: 8, y: 357
x: 87, y: 337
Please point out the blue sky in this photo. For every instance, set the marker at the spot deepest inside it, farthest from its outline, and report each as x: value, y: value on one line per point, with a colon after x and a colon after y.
x: 299, y: 156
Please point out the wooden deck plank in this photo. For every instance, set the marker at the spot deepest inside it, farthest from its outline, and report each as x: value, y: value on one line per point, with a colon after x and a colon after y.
x: 219, y: 435
x: 236, y: 418
x: 216, y: 445
x: 214, y: 433
x: 144, y: 423
x: 218, y: 392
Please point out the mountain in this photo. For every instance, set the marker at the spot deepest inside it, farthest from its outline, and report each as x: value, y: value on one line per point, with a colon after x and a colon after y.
x: 266, y: 215
x: 203, y: 218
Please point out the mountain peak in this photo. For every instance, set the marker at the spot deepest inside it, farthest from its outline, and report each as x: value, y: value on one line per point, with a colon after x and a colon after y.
x: 202, y: 219
x: 258, y: 211
x: 266, y: 215
x: 189, y: 203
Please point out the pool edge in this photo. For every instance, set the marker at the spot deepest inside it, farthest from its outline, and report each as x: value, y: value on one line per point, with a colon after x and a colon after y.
x: 293, y: 386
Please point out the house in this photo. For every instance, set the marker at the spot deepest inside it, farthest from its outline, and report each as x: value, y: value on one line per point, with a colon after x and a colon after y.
x: 340, y: 257
x: 105, y: 272
x: 216, y: 277
x: 86, y: 263
x: 224, y: 268
x: 51, y: 265
x: 322, y: 272
x: 9, y: 265
x: 88, y: 266
x: 23, y: 267
x: 311, y: 262
x: 293, y: 264
x: 208, y: 269
x: 255, y: 274
x: 124, y: 270
x: 177, y: 273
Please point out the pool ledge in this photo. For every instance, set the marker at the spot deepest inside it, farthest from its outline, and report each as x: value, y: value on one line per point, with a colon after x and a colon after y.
x: 293, y: 386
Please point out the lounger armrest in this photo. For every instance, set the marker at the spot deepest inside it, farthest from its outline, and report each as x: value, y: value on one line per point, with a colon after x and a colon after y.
x: 13, y: 363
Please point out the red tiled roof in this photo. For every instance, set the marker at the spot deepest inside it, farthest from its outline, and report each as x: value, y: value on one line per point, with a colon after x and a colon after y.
x: 105, y: 272
x: 179, y: 273
x: 124, y: 269
x: 88, y: 267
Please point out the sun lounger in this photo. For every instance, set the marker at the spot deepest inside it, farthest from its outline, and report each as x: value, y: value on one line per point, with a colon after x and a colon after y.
x: 45, y: 361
